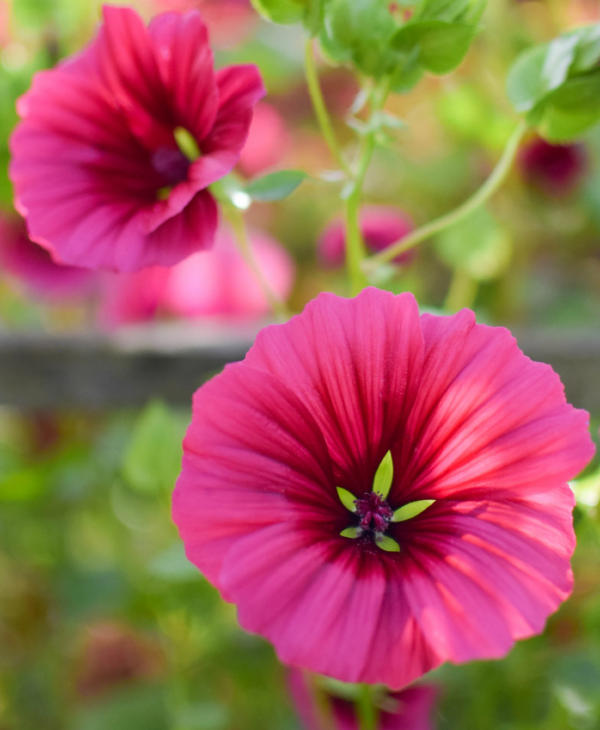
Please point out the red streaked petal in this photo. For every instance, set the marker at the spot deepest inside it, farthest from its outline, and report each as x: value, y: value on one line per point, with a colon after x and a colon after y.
x: 357, y: 374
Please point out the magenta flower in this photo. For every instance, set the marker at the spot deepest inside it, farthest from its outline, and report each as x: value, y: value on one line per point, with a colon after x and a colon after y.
x: 555, y: 169
x: 118, y: 145
x: 380, y: 226
x: 33, y: 266
x: 468, y: 443
x: 409, y: 709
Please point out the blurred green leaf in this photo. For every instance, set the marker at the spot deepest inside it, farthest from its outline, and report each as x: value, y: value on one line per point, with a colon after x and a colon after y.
x: 384, y: 476
x: 276, y: 186
x: 136, y: 708
x: 173, y: 565
x: 153, y: 460
x: 439, y: 46
x: 284, y: 12
x: 359, y: 31
x: 479, y: 245
x: 557, y: 84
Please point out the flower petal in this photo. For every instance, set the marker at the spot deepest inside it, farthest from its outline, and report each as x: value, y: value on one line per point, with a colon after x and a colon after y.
x: 479, y: 576
x: 357, y: 374
x: 268, y: 465
x: 488, y: 421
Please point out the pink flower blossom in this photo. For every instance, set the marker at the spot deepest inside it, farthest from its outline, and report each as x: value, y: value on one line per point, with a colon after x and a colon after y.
x: 220, y: 283
x: 556, y: 169
x: 409, y: 709
x: 216, y: 283
x: 97, y: 166
x: 268, y: 140
x: 469, y: 423
x: 132, y: 298
x: 380, y: 226
x: 33, y: 266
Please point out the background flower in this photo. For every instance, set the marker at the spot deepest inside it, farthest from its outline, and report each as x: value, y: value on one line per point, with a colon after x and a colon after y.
x: 470, y: 423
x: 118, y: 145
x: 380, y: 226
x: 216, y: 283
x: 409, y: 709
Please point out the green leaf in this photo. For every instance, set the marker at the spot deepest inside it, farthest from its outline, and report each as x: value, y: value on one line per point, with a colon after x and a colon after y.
x: 347, y: 499
x: 351, y: 532
x: 384, y: 476
x: 524, y: 83
x: 440, y: 46
x: 557, y: 84
x: 359, y: 31
x: 411, y: 510
x: 387, y: 543
x: 172, y: 565
x: 284, y: 12
x: 479, y: 245
x: 153, y: 459
x: 276, y: 186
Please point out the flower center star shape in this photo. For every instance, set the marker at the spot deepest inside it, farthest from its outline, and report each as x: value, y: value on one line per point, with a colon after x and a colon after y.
x: 373, y: 514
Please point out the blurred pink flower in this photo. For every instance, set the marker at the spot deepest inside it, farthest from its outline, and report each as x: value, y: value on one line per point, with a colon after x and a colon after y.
x: 97, y: 150
x: 409, y: 709
x: 268, y: 140
x: 229, y: 22
x: 470, y: 422
x: 555, y: 169
x: 380, y: 226
x: 220, y: 283
x: 132, y: 298
x: 216, y: 283
x: 33, y: 265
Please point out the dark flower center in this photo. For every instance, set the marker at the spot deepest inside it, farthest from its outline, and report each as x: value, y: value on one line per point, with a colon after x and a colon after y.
x: 171, y: 164
x: 374, y: 512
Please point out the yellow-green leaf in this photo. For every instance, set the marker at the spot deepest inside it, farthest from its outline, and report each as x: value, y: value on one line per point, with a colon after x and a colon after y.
x: 384, y: 476
x: 388, y: 544
x: 351, y: 532
x: 347, y: 499
x: 411, y: 510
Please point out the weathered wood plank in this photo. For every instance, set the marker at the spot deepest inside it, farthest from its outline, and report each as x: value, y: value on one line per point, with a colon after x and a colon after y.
x: 170, y: 362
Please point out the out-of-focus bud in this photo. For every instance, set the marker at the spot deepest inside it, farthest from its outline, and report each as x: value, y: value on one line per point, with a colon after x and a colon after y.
x: 380, y: 226
x: 113, y: 654
x: 555, y: 169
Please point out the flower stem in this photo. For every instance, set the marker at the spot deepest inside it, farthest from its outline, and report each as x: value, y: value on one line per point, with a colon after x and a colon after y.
x: 316, y: 95
x: 462, y: 291
x: 366, y: 710
x: 236, y: 221
x: 355, y: 246
x: 489, y: 187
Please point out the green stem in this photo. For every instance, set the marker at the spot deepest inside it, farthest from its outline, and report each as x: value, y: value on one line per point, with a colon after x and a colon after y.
x: 462, y: 291
x: 355, y: 245
x: 236, y: 221
x: 489, y: 187
x: 368, y: 714
x: 316, y: 95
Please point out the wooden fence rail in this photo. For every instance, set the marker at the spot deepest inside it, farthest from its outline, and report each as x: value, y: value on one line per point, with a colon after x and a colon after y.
x: 39, y: 371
